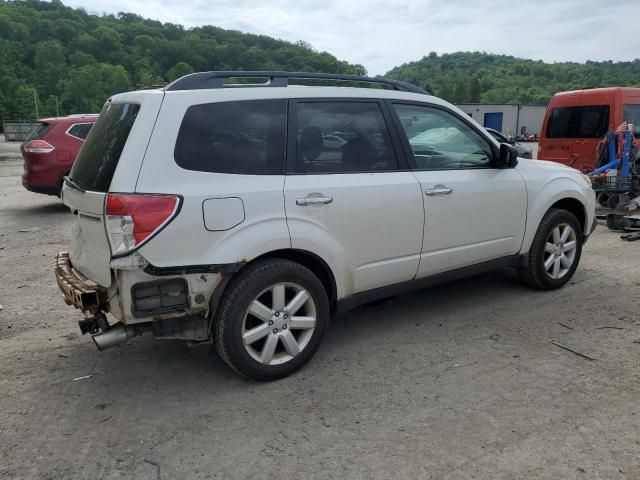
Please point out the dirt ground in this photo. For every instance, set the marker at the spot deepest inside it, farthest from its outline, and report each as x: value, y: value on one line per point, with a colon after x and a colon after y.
x: 461, y: 381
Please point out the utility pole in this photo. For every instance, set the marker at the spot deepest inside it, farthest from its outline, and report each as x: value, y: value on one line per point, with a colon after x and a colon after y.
x: 35, y: 102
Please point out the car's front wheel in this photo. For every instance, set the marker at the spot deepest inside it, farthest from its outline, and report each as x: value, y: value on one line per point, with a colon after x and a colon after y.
x: 272, y: 319
x: 555, y: 252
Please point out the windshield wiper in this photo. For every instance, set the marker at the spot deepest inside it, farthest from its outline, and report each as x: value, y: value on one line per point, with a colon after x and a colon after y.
x: 73, y: 184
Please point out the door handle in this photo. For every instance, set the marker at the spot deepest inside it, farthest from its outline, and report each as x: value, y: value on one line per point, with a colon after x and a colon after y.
x: 313, y: 201
x: 438, y: 190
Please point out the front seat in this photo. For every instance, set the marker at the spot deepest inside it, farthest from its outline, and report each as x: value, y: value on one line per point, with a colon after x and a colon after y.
x: 358, y: 155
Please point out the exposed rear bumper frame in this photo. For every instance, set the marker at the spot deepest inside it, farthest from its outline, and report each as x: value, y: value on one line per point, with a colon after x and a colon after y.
x: 77, y: 290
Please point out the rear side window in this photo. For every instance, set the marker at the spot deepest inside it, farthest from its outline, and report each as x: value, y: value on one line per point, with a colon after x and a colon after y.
x: 80, y: 130
x: 244, y: 137
x: 591, y: 121
x: 342, y: 137
x: 39, y: 132
x: 98, y: 157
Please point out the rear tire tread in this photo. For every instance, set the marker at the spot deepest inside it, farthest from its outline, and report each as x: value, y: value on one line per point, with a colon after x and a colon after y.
x: 231, y: 298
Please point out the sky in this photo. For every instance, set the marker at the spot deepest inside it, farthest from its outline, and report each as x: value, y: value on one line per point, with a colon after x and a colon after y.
x: 383, y: 34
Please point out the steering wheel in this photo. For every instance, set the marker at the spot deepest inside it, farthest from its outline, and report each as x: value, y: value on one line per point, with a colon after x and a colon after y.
x: 472, y: 159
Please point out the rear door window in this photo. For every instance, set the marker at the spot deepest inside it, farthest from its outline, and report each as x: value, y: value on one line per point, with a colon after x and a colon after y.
x: 98, y: 158
x: 243, y: 137
x: 589, y: 121
x: 342, y: 137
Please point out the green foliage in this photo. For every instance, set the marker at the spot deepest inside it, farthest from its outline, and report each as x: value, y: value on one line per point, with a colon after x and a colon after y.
x: 482, y: 77
x: 81, y: 59
x: 475, y: 90
x: 88, y: 86
x: 180, y: 69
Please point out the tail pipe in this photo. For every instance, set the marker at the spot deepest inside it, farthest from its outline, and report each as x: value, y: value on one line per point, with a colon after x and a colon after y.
x: 115, y: 335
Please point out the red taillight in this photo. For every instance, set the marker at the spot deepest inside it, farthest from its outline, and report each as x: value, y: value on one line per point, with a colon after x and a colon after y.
x: 38, y: 146
x: 133, y: 218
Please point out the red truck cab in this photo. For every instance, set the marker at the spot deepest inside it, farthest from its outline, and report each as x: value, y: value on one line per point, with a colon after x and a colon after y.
x: 576, y: 121
x: 49, y: 152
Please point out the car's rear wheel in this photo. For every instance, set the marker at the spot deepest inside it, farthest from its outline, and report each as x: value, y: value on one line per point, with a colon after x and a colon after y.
x: 555, y: 251
x: 272, y: 319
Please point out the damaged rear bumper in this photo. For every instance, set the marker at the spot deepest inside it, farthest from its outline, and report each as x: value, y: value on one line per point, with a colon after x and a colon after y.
x: 171, y: 307
x: 77, y: 290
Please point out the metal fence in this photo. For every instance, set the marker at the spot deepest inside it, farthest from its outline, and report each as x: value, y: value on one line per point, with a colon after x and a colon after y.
x: 18, y: 131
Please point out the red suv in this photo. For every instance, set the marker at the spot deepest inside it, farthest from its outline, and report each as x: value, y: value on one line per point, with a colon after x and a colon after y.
x: 51, y: 149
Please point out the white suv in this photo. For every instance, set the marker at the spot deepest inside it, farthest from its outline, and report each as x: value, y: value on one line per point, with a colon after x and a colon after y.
x: 247, y: 213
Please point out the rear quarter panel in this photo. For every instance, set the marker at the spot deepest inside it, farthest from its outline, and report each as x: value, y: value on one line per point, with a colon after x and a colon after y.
x: 186, y: 240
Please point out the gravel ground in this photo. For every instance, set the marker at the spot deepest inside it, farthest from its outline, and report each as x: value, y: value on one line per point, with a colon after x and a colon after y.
x: 461, y: 381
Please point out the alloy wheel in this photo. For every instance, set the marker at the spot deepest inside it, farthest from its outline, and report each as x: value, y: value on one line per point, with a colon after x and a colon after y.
x: 279, y: 323
x: 560, y: 250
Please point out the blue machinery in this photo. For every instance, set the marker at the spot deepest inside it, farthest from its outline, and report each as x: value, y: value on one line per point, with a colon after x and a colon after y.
x: 617, y: 192
x: 621, y: 164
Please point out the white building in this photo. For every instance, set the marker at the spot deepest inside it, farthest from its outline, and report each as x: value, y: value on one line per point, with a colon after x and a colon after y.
x: 510, y: 119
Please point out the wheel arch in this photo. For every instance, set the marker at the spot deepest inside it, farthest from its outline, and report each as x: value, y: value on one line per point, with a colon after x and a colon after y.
x: 313, y: 262
x: 561, y: 194
x: 573, y: 206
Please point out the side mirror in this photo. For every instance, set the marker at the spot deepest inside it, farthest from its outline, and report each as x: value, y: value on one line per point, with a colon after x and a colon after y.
x: 508, y: 156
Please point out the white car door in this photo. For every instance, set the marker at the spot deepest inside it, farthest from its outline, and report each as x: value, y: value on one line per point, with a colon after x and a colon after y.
x: 352, y: 204
x: 474, y: 212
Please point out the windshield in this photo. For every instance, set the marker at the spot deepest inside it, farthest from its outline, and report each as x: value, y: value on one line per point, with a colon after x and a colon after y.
x: 96, y: 163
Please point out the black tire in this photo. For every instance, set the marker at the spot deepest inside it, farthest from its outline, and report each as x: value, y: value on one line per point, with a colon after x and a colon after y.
x: 61, y: 184
x: 247, y: 287
x: 534, y: 273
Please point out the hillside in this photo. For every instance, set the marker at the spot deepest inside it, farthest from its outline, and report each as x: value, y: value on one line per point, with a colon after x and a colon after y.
x: 80, y: 59
x: 482, y: 77
x: 75, y: 60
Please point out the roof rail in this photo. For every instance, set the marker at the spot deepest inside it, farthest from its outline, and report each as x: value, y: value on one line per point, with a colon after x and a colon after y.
x: 204, y: 80
x: 81, y: 115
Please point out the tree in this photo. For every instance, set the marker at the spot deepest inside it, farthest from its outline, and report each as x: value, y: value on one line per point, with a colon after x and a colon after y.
x: 502, y: 78
x: 474, y: 90
x: 24, y: 106
x: 83, y: 59
x: 49, y: 66
x: 180, y: 69
x: 445, y: 91
x: 89, y: 87
x: 459, y: 94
